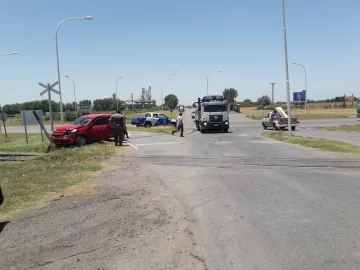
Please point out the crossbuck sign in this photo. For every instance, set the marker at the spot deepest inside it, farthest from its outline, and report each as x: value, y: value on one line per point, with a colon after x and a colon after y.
x: 50, y: 88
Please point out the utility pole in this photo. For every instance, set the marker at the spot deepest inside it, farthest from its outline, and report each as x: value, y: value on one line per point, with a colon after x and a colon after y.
x: 286, y: 70
x: 132, y: 101
x: 272, y: 84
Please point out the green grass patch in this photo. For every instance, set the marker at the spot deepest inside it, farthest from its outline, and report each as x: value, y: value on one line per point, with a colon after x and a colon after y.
x: 343, y: 128
x: 314, y: 143
x: 16, y: 143
x: 27, y: 183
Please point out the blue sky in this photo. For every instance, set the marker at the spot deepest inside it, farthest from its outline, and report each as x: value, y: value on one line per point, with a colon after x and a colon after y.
x: 148, y: 42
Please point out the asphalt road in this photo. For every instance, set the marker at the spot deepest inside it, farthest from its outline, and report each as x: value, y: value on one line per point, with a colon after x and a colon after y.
x: 252, y: 203
x: 259, y: 204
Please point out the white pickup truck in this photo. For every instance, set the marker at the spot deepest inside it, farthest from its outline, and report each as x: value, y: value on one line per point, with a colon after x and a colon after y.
x: 280, y: 121
x: 152, y: 119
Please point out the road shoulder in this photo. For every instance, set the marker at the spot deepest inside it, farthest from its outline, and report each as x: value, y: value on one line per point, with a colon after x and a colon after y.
x: 129, y: 220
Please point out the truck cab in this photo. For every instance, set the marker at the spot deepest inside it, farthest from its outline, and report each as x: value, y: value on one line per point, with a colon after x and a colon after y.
x: 212, y: 114
x: 358, y: 110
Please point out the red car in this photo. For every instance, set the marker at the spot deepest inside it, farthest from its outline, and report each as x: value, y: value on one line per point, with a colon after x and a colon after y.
x: 85, y: 129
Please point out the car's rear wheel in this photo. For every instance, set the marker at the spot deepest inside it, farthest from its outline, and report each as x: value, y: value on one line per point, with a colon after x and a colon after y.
x: 264, y: 126
x: 226, y: 130
x: 81, y: 141
x: 293, y: 128
x: 147, y: 125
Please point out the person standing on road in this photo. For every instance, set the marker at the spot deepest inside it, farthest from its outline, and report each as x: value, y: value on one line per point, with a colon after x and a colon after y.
x: 117, y: 121
x: 125, y: 129
x: 180, y: 125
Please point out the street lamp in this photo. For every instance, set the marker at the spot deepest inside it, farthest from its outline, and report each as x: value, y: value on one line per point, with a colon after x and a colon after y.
x: 305, y: 82
x: 207, y: 81
x: 272, y: 84
x: 116, y: 94
x: 12, y: 53
x: 286, y: 69
x: 57, y: 59
x: 74, y: 91
x: 162, y: 99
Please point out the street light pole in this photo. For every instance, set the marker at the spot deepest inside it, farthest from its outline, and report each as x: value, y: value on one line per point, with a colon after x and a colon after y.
x: 74, y: 92
x: 12, y: 53
x: 57, y: 59
x: 286, y: 70
x: 207, y: 81
x: 305, y: 83
x: 162, y: 99
x: 272, y: 84
x: 116, y: 94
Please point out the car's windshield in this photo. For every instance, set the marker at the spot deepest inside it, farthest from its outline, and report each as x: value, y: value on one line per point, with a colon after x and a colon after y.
x: 215, y: 108
x: 81, y: 121
x: 358, y: 108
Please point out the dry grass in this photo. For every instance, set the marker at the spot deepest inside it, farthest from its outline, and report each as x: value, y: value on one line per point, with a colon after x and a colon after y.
x: 314, y: 143
x: 344, y: 128
x: 311, y: 113
x: 28, y: 183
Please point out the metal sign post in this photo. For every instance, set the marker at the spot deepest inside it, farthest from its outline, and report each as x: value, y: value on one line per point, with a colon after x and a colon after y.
x: 24, y: 122
x: 48, y: 89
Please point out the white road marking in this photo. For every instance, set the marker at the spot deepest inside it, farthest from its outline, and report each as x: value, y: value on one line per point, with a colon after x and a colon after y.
x: 243, y: 135
x: 224, y: 142
x: 263, y: 142
x: 132, y: 145
x: 148, y: 144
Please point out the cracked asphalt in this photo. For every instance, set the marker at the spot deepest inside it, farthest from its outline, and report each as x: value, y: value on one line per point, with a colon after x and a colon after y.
x: 206, y: 201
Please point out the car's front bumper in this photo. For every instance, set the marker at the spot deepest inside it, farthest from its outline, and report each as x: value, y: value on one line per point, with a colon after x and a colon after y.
x: 64, y: 139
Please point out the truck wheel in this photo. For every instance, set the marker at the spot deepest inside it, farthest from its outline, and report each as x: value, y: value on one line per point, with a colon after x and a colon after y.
x: 275, y: 127
x: 202, y: 130
x: 264, y: 126
x: 81, y: 141
x: 226, y: 130
x: 293, y: 128
x: 147, y: 125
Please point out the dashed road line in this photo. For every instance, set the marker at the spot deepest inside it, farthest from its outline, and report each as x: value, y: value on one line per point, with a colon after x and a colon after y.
x: 149, y: 144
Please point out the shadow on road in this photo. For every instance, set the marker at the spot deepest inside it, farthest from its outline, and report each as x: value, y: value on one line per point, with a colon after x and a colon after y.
x: 3, y: 224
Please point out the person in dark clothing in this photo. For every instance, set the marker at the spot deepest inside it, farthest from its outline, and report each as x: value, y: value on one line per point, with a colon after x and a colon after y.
x: 117, y: 121
x: 180, y: 126
x: 125, y: 129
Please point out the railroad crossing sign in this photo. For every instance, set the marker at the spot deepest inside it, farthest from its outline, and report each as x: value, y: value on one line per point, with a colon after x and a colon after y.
x: 50, y: 88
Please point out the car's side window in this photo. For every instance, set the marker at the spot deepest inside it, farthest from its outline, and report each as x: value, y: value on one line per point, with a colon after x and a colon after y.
x: 155, y: 115
x: 103, y: 121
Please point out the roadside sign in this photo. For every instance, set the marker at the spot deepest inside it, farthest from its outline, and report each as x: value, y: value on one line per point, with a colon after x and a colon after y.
x: 262, y: 108
x: 3, y: 116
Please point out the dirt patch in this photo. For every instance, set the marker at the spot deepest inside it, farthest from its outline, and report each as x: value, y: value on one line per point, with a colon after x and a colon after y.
x: 81, y: 190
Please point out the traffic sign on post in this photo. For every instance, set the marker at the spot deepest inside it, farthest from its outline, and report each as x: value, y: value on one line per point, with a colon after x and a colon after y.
x: 50, y: 88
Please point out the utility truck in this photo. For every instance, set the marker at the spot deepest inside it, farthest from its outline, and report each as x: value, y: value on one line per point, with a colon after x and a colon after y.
x: 212, y: 113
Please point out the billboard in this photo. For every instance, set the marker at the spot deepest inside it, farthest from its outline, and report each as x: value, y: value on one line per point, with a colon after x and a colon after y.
x: 299, y: 98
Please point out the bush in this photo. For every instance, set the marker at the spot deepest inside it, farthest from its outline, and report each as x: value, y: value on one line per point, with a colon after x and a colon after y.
x: 70, y: 116
x: 46, y: 118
